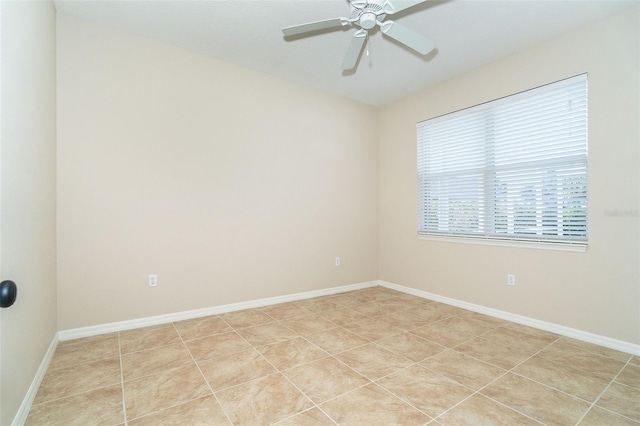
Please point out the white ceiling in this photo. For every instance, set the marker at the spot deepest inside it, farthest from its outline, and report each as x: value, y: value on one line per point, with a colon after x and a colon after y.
x: 467, y: 33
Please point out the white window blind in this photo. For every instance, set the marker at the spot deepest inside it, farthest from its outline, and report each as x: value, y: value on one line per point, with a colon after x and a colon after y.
x: 514, y: 168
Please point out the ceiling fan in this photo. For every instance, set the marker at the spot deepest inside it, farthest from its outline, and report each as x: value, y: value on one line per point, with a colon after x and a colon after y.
x: 366, y: 14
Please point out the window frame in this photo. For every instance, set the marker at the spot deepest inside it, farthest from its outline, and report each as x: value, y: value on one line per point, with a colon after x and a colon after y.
x: 508, y: 239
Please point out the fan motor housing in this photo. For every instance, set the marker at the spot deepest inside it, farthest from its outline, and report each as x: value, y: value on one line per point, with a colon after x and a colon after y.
x: 368, y: 16
x: 368, y: 20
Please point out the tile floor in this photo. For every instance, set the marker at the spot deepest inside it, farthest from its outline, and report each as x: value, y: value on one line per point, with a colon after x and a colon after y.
x: 372, y: 356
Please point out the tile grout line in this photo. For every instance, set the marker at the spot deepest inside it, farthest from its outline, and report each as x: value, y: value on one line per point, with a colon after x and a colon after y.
x: 280, y: 372
x: 431, y: 419
x: 66, y: 396
x: 372, y: 381
x: 591, y: 404
x: 604, y: 391
x: 417, y: 364
x: 296, y: 386
x: 172, y: 368
x: 374, y: 342
x: 202, y: 374
x: 124, y: 405
x: 398, y: 396
x: 478, y: 391
x: 331, y: 355
x: 559, y: 390
x: 305, y: 411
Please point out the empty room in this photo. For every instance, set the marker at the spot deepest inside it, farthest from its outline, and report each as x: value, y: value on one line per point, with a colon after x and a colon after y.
x: 304, y: 212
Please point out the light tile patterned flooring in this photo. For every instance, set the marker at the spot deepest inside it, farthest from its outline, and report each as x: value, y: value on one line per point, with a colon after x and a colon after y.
x: 371, y: 356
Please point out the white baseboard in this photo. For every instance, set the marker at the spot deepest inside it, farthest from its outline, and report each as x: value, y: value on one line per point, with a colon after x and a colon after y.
x: 519, y: 319
x: 585, y: 336
x: 23, y: 411
x: 179, y: 316
x: 78, y: 333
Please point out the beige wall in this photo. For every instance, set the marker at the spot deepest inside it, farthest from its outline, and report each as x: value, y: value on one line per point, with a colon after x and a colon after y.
x: 229, y: 184
x: 28, y: 195
x: 597, y: 291
x: 232, y: 185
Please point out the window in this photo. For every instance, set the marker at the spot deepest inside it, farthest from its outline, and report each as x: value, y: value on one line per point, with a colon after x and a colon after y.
x: 511, y: 169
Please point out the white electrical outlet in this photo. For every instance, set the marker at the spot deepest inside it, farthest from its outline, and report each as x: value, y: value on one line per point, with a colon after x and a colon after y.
x: 337, y: 261
x: 511, y: 279
x: 153, y: 280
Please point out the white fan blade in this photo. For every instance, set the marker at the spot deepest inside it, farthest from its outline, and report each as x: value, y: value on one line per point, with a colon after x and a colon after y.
x: 390, y: 7
x: 353, y: 52
x: 314, y: 26
x: 408, y: 37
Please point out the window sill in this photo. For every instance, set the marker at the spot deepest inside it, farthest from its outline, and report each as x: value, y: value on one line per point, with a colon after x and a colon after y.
x: 541, y: 245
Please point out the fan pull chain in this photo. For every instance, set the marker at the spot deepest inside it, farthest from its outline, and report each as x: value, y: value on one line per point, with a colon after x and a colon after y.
x: 367, y: 44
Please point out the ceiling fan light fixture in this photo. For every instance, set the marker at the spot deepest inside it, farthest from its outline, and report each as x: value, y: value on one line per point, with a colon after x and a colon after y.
x: 368, y: 20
